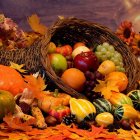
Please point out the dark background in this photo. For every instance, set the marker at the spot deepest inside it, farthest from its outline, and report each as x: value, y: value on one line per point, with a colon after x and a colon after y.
x: 107, y: 12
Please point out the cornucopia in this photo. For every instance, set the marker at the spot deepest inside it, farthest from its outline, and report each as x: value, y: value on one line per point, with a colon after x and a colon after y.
x: 39, y: 100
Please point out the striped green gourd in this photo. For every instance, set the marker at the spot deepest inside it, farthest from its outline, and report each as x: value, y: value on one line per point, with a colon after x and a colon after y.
x: 102, y: 105
x: 135, y: 97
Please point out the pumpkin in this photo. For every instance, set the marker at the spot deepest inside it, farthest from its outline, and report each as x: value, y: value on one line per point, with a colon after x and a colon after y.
x: 125, y: 112
x: 82, y: 109
x: 102, y: 105
x: 11, y: 80
x: 135, y: 97
x: 7, y: 103
x: 119, y: 99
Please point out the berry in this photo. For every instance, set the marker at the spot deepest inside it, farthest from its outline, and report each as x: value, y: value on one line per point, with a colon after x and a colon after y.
x: 69, y: 119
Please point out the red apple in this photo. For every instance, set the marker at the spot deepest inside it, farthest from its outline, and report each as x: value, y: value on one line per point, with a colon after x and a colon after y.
x: 86, y: 61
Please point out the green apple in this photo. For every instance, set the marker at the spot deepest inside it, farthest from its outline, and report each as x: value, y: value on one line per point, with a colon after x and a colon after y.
x: 58, y: 62
x: 7, y: 103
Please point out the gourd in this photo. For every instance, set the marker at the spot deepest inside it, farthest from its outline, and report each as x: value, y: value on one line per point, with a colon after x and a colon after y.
x: 102, y: 105
x: 104, y: 119
x: 82, y: 109
x: 119, y: 99
x: 125, y: 111
x: 7, y: 103
x: 135, y: 97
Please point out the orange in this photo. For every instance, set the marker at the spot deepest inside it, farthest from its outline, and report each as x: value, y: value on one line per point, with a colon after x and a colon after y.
x: 10, y: 80
x: 119, y: 78
x: 74, y: 78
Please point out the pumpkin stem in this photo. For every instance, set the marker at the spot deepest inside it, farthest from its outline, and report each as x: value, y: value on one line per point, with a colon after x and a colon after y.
x: 55, y: 94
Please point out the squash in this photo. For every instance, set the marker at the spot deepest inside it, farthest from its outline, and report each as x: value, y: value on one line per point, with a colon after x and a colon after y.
x: 135, y: 97
x: 124, y: 112
x: 102, y: 105
x: 104, y: 119
x: 7, y: 103
x: 119, y: 99
x: 82, y: 109
x: 52, y: 99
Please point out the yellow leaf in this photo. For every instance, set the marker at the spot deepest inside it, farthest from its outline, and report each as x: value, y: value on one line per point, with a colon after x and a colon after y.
x: 106, y: 88
x: 18, y: 67
x: 36, y: 26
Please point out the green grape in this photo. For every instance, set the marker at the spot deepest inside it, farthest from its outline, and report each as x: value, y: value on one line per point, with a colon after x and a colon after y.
x: 99, y: 47
x: 121, y: 64
x: 122, y: 69
x: 116, y: 61
x: 104, y: 57
x: 109, y: 54
x: 98, y: 54
x: 105, y: 44
x: 103, y: 50
x: 111, y: 48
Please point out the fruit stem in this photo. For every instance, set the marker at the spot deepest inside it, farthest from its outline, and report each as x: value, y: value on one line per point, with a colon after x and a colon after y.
x: 55, y: 92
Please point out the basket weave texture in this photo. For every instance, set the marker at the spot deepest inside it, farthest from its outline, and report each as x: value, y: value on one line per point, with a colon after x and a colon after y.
x: 72, y: 30
x: 30, y: 57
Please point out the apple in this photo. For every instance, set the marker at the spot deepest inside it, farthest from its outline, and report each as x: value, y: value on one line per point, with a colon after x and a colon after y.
x: 86, y: 61
x: 65, y: 50
x: 58, y: 62
x: 7, y: 103
x: 79, y: 49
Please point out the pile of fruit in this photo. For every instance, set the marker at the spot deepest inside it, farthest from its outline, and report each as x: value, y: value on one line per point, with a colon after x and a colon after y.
x: 82, y: 69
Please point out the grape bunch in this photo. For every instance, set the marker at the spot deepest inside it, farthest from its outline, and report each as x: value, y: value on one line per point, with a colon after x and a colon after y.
x: 91, y: 81
x: 106, y: 51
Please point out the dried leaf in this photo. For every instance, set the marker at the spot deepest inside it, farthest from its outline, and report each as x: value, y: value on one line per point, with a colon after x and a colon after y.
x: 36, y: 84
x: 36, y: 26
x: 106, y: 88
x: 16, y: 123
x: 18, y: 67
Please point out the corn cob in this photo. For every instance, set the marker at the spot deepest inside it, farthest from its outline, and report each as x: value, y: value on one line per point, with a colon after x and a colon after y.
x: 36, y: 112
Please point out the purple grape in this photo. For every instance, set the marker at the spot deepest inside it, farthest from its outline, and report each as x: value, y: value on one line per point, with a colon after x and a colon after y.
x: 87, y: 83
x: 88, y: 74
x: 92, y: 77
x: 92, y: 84
x: 99, y: 75
x: 88, y: 89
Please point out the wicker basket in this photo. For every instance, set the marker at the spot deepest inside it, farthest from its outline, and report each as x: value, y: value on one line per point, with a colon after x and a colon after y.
x: 72, y: 30
x: 29, y: 56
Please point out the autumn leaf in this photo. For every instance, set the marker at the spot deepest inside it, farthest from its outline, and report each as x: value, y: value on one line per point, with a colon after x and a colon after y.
x: 36, y: 26
x: 37, y: 84
x: 18, y: 67
x: 16, y: 123
x: 106, y: 88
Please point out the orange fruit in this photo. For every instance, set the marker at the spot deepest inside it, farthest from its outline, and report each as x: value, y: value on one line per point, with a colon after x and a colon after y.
x: 78, y: 44
x: 74, y: 78
x: 119, y: 79
x: 10, y: 80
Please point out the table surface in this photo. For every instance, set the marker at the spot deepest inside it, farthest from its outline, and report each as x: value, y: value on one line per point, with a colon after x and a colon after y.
x: 106, y: 12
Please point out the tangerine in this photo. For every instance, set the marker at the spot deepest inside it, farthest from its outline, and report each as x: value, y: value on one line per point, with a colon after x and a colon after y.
x: 74, y: 78
x: 10, y: 80
x: 119, y: 78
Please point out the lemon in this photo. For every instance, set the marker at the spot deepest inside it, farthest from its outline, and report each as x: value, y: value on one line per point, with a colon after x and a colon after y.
x: 106, y: 67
